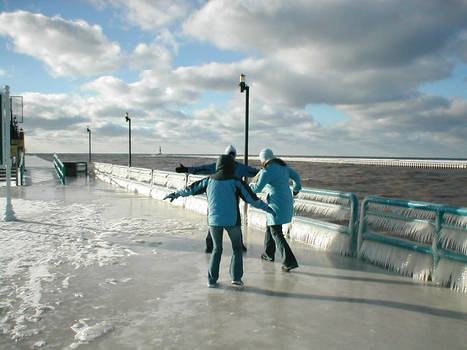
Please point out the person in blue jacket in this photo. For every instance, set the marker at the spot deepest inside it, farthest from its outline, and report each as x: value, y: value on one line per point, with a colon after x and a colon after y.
x: 223, y: 190
x: 241, y: 170
x: 274, y: 179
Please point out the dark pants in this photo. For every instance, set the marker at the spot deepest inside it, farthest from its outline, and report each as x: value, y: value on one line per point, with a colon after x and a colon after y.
x: 273, y: 237
x: 209, y: 244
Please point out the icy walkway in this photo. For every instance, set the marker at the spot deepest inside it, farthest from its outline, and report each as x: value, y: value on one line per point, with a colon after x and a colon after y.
x: 89, y: 264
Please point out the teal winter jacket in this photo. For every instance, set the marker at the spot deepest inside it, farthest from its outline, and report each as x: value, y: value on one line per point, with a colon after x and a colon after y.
x: 274, y: 179
x: 223, y: 191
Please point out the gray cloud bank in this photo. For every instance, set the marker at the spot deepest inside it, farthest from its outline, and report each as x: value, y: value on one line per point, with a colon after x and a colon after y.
x: 367, y: 59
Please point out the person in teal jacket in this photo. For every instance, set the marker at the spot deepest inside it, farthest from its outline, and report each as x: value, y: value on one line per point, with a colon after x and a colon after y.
x: 223, y: 190
x: 241, y: 171
x: 274, y: 179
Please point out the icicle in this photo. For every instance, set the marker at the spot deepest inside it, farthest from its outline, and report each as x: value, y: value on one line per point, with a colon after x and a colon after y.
x: 454, y: 239
x: 159, y: 178
x: 257, y: 218
x: 451, y: 273
x: 176, y: 181
x: 324, y: 199
x: 322, y: 209
x: 320, y: 237
x: 404, y: 261
x: 420, y: 231
x: 401, y: 211
x: 456, y: 220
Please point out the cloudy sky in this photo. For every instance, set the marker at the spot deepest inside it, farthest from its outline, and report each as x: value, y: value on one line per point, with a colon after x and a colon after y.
x: 326, y: 77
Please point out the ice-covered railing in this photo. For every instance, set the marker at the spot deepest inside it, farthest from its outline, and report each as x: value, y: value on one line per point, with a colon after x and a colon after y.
x: 324, y: 219
x: 423, y: 240
x: 59, y: 169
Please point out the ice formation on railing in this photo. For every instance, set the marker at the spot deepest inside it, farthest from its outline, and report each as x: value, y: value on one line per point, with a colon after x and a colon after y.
x: 159, y: 178
x: 454, y: 239
x: 406, y: 262
x: 176, y: 181
x: 140, y: 174
x: 416, y: 230
x: 401, y: 211
x: 321, y: 237
x: 456, y: 220
x: 322, y: 198
x: 451, y: 274
x: 322, y: 209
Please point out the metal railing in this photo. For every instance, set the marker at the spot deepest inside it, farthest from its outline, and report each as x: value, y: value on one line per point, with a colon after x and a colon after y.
x: 413, y: 238
x: 422, y: 240
x: 59, y: 169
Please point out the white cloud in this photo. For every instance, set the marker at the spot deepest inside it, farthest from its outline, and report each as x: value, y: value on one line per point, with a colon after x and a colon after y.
x: 337, y: 51
x: 150, y: 14
x: 365, y: 58
x: 68, y: 48
x: 151, y: 56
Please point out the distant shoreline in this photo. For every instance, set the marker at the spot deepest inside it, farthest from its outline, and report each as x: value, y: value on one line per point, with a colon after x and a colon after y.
x: 284, y: 156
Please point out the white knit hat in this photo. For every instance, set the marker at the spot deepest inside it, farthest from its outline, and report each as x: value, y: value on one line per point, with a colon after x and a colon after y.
x: 265, y: 155
x: 230, y: 149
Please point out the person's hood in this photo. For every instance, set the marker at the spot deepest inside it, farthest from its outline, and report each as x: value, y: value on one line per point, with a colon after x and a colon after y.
x: 225, y: 168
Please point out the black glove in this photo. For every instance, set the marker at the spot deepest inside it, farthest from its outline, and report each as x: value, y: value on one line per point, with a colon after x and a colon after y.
x: 295, y: 193
x: 181, y: 169
x: 271, y: 211
x: 171, y: 196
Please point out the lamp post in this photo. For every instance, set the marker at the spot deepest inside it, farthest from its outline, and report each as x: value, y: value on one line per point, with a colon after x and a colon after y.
x: 128, y: 119
x: 246, y: 88
x: 89, y: 133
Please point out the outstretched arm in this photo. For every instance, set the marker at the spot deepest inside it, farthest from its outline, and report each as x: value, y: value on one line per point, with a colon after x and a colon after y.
x: 195, y: 188
x: 249, y: 196
x: 206, y: 169
x: 262, y: 181
x: 245, y: 170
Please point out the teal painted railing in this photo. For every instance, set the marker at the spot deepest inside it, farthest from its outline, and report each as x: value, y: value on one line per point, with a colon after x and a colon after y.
x: 422, y: 235
x: 59, y: 169
x: 327, y: 211
x: 422, y: 240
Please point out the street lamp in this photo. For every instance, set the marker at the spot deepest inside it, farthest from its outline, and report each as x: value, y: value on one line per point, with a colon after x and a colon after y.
x: 89, y: 133
x: 128, y: 119
x: 245, y: 87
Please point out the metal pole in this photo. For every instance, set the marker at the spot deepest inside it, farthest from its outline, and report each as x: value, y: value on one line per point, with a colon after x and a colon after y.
x: 6, y: 120
x: 89, y: 132
x: 128, y: 119
x: 129, y: 142
x: 247, y: 103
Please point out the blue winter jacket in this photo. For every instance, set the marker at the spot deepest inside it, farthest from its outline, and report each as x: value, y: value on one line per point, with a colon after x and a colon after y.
x: 241, y: 170
x: 223, y: 191
x: 274, y: 179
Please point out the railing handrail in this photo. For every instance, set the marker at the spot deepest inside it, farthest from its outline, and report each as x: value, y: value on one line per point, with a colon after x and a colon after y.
x: 59, y: 168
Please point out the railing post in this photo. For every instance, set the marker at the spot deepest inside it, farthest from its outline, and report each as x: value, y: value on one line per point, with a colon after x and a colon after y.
x: 362, y: 225
x: 436, y: 244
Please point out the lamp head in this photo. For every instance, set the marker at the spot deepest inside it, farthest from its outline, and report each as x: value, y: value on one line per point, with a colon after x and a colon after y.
x: 242, y: 84
x: 127, y: 118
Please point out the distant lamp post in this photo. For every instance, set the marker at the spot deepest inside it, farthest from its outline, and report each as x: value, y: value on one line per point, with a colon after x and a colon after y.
x: 89, y: 138
x: 128, y: 119
x: 245, y: 87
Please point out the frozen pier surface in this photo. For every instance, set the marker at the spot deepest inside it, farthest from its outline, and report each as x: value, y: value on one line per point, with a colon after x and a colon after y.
x: 87, y: 263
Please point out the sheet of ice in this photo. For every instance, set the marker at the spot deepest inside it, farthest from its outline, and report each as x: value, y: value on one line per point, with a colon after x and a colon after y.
x: 48, y: 234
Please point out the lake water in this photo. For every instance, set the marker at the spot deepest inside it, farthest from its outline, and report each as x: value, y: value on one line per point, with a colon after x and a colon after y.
x: 442, y: 186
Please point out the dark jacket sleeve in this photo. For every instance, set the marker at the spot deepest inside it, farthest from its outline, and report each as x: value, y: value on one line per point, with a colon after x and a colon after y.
x: 197, y: 187
x: 206, y: 169
x: 245, y: 192
x: 243, y: 170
